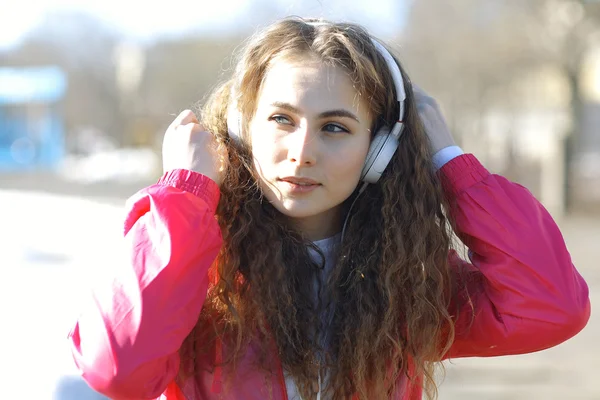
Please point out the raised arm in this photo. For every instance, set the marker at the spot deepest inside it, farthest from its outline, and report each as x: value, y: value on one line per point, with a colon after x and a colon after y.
x: 126, y: 340
x: 523, y: 293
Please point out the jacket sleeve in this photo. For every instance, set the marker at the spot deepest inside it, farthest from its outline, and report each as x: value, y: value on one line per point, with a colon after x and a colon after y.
x: 521, y: 292
x: 126, y: 340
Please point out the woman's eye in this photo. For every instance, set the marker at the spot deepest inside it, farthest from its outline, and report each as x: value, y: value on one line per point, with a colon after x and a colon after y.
x: 280, y: 119
x: 335, y: 128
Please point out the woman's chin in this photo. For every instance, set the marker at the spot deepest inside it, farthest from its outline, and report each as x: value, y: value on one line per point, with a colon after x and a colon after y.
x: 298, y: 211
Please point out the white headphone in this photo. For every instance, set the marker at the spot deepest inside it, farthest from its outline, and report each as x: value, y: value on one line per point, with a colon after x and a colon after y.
x: 386, y: 140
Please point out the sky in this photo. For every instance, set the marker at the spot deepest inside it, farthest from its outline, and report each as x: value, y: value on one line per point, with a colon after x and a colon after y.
x: 147, y: 20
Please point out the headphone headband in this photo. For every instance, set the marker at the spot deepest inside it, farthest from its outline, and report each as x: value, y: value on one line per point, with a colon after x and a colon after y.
x: 396, y: 76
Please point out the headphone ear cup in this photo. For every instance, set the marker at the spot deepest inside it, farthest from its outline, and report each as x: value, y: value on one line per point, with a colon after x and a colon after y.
x: 380, y: 154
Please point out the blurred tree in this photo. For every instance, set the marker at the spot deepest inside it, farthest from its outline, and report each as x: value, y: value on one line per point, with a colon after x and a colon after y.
x: 471, y: 54
x: 175, y: 75
x: 563, y: 31
x: 178, y: 74
x: 181, y: 72
x: 82, y: 45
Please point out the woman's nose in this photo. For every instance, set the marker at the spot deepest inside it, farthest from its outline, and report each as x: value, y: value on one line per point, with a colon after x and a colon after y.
x: 302, y: 147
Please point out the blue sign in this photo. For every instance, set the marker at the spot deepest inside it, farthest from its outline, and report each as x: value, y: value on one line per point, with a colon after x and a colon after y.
x: 31, y: 127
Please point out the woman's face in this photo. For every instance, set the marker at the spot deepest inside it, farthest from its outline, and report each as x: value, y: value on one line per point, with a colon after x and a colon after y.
x: 310, y: 137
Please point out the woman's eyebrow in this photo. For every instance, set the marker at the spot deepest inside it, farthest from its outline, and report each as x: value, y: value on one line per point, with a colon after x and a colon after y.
x: 324, y: 114
x: 339, y: 113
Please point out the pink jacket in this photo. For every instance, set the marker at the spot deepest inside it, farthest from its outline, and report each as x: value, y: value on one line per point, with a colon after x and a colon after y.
x: 526, y: 292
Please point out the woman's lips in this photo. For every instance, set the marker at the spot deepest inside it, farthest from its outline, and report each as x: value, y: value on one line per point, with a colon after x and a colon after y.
x: 299, y: 185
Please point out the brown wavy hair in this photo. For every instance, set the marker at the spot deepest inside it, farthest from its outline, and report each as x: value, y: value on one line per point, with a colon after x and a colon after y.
x: 391, y: 284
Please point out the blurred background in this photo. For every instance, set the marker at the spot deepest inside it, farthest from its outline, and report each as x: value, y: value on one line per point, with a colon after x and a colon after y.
x: 87, y: 90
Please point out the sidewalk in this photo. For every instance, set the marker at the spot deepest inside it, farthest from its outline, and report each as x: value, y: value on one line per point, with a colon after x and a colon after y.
x: 112, y: 192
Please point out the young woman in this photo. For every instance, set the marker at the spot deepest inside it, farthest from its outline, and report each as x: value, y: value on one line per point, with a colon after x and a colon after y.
x: 299, y: 244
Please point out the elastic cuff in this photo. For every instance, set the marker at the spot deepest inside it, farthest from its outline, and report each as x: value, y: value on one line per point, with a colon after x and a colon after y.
x: 193, y: 182
x: 460, y: 173
x: 445, y: 155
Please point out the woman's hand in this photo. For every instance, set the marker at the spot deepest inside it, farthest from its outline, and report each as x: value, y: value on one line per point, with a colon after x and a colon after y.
x: 433, y: 121
x: 187, y: 145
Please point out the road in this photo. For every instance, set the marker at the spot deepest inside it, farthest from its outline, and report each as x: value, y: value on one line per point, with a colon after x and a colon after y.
x: 51, y: 245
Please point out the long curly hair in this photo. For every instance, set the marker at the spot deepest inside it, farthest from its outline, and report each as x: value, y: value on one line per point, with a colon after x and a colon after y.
x: 391, y: 283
